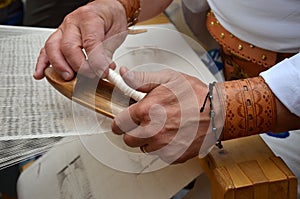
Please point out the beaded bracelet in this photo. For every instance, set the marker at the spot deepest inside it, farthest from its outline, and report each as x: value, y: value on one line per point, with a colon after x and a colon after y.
x: 212, y: 113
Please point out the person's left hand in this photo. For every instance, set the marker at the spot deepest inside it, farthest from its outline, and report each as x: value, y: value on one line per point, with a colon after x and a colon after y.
x: 167, y: 122
x: 98, y: 27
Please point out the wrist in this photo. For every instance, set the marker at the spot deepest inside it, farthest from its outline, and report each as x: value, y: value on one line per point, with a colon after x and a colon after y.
x: 249, y: 106
x: 286, y: 120
x: 132, y: 10
x: 215, y: 114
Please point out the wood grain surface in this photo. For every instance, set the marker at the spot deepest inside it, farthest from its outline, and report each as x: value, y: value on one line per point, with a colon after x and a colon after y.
x: 96, y: 94
x: 247, y: 168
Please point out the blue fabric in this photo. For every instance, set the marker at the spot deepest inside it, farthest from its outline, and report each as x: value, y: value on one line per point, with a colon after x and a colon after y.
x: 12, y: 14
x: 279, y: 135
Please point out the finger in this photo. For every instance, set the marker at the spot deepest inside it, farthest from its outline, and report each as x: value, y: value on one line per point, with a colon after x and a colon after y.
x: 149, y: 130
x: 124, y: 122
x: 41, y: 65
x: 93, y: 34
x: 105, y: 74
x: 149, y: 148
x: 100, y: 52
x: 146, y: 81
x: 138, y: 80
x: 133, y: 141
x: 144, y: 133
x: 55, y: 56
x: 143, y: 148
x: 146, y: 145
x: 99, y: 61
x: 144, y: 115
x: 92, y: 31
x: 71, y: 47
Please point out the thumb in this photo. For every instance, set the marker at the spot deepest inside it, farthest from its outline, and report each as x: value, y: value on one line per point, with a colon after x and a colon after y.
x: 145, y: 81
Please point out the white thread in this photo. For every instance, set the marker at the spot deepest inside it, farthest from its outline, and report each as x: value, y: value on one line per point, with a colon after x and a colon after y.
x: 118, y: 81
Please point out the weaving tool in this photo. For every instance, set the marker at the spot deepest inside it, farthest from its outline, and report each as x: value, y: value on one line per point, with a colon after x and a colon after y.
x: 96, y: 98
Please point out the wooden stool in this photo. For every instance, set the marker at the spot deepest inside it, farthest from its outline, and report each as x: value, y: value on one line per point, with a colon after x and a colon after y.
x: 247, y: 168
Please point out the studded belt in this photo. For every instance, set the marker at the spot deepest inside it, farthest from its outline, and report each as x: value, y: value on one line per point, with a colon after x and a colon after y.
x: 242, y: 57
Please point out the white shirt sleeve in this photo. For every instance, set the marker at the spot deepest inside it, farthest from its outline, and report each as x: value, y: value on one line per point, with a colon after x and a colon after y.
x: 284, y: 81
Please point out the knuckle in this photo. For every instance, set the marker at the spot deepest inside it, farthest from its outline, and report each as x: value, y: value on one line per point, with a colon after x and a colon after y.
x: 151, y: 133
x: 48, y: 45
x: 193, y: 81
x: 84, y: 11
x: 142, y: 112
x: 43, y: 51
x: 58, y: 67
x: 171, y: 127
x: 128, y: 140
x: 68, y: 19
x: 66, y: 46
x: 89, y: 39
x: 115, y: 128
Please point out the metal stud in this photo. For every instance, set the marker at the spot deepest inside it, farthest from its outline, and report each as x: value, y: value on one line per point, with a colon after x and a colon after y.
x: 222, y: 35
x: 263, y: 57
x: 240, y: 47
x: 231, y: 35
x: 212, y: 23
x: 251, y: 46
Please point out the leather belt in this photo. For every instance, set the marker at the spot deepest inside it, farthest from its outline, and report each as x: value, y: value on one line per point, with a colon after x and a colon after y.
x: 240, y: 56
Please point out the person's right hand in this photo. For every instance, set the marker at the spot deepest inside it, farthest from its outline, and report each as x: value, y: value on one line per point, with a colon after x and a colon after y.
x: 167, y: 122
x: 85, y: 28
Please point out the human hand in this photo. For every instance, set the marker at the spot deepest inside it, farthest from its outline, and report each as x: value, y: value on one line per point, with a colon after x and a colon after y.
x: 167, y: 122
x: 85, y: 28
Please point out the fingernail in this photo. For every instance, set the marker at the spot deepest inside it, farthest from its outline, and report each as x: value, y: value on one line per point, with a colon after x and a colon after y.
x: 66, y: 75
